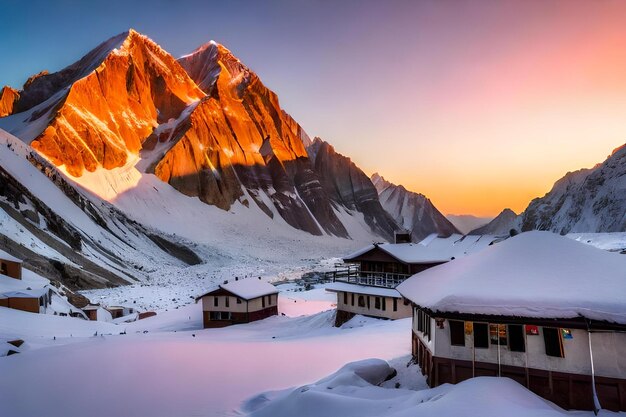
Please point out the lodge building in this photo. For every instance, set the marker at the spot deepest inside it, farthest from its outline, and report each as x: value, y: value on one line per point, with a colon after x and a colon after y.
x: 239, y: 301
x: 366, y: 284
x: 539, y: 308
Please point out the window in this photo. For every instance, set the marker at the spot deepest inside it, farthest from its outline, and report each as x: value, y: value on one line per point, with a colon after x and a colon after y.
x: 263, y: 302
x: 516, y: 338
x: 395, y: 304
x: 227, y: 301
x: 553, y: 342
x: 418, y: 318
x: 457, y: 332
x: 368, y: 302
x: 384, y: 304
x: 352, y: 296
x: 497, y: 334
x: 219, y: 315
x: 3, y: 268
x: 481, y: 335
x: 216, y: 301
x: 345, y: 298
x: 361, y: 301
x: 377, y: 303
x: 238, y: 300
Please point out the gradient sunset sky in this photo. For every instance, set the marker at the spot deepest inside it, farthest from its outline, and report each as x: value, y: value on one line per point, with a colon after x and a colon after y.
x: 480, y: 105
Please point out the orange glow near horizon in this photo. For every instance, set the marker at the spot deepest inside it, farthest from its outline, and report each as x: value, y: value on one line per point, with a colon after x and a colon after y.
x: 491, y: 118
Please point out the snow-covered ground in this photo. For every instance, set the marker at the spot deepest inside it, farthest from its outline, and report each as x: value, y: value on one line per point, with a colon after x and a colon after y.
x: 167, y: 365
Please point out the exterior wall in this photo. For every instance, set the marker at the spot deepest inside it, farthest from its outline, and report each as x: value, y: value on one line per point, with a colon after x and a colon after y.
x: 208, y: 303
x: 245, y: 312
x: 25, y: 304
x: 402, y: 311
x: 13, y: 269
x: 565, y: 381
x: 609, y: 352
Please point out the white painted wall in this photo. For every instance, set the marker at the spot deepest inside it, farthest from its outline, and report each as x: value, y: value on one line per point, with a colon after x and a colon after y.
x: 402, y: 312
x: 246, y: 306
x: 609, y: 351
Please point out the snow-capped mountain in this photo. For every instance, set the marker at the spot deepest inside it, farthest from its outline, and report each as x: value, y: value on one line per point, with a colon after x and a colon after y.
x: 502, y: 224
x: 588, y: 200
x: 412, y: 211
x: 348, y: 187
x: 204, y: 124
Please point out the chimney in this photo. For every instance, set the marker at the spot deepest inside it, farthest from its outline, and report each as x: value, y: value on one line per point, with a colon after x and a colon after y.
x: 402, y: 236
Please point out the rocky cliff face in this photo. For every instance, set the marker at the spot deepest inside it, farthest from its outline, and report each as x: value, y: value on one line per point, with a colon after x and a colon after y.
x: 589, y: 200
x: 205, y: 124
x: 8, y: 99
x: 349, y: 187
x: 412, y: 211
x: 502, y: 224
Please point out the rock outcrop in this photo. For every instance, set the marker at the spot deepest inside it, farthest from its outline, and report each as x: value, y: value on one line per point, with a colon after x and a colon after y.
x: 412, y: 211
x: 8, y: 100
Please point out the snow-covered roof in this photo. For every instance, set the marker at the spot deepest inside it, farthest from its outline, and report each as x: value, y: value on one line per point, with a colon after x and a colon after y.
x: 534, y: 274
x: 36, y: 293
x: 362, y: 289
x: 7, y: 257
x: 247, y: 288
x: 432, y: 249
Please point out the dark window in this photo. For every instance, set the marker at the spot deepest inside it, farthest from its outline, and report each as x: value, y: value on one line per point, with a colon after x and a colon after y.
x: 238, y: 300
x: 3, y: 269
x: 352, y: 296
x: 420, y: 321
x: 481, y: 335
x: 368, y: 302
x: 552, y: 340
x: 263, y: 302
x: 377, y: 303
x: 345, y: 298
x: 384, y: 304
x: 41, y: 301
x: 395, y: 304
x: 216, y: 301
x: 219, y: 315
x: 361, y: 301
x: 427, y: 326
x: 516, y: 338
x: 497, y: 334
x: 227, y: 301
x: 457, y: 333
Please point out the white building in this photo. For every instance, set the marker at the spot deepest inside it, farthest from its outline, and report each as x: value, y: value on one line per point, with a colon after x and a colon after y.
x: 239, y: 301
x: 536, y: 308
x: 369, y: 301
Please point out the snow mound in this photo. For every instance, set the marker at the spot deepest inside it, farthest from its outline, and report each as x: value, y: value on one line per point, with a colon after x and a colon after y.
x: 353, y: 391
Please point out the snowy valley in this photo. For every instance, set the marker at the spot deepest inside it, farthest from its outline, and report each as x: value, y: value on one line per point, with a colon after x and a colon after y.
x: 139, y: 193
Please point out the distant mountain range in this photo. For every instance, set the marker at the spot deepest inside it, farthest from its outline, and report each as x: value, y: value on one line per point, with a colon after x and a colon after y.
x: 467, y: 222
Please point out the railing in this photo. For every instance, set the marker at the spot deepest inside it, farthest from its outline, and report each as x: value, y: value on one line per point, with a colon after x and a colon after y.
x: 353, y: 275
